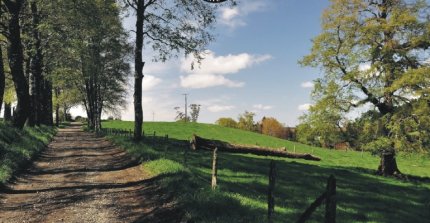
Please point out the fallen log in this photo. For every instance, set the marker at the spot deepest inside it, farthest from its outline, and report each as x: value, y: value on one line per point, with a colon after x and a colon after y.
x: 198, y: 143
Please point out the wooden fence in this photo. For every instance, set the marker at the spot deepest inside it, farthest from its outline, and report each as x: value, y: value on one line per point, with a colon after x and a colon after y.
x: 130, y: 133
x: 329, y: 195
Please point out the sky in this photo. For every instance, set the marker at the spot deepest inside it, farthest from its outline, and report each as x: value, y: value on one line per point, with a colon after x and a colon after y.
x: 252, y: 65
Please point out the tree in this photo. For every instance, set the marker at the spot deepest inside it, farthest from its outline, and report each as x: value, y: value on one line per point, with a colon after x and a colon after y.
x: 272, y: 127
x: 368, y: 49
x: 2, y: 77
x: 16, y: 61
x: 195, y: 111
x: 246, y: 122
x: 324, y: 123
x: 180, y: 116
x: 227, y: 122
x: 90, y: 65
x: 166, y: 26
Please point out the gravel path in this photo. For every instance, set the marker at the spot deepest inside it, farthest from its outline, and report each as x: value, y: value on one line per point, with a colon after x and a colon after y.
x: 83, y: 178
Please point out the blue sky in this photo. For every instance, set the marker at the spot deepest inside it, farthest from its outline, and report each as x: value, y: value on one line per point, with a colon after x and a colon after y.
x: 251, y: 66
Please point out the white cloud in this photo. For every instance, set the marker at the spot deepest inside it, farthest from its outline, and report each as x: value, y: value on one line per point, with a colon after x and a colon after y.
x: 262, y: 107
x: 307, y: 84
x: 228, y: 64
x: 235, y: 17
x: 207, y: 80
x: 210, y: 71
x: 304, y: 107
x: 220, y: 108
x: 149, y: 82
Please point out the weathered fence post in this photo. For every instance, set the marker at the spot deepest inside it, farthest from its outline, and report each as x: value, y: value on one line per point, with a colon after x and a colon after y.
x: 270, y: 194
x: 330, y: 205
x: 214, y: 168
x: 167, y: 138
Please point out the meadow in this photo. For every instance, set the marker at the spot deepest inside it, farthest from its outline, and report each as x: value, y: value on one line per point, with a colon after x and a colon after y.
x: 243, y: 179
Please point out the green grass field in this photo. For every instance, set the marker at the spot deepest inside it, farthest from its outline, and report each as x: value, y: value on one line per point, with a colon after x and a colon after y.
x: 18, y: 147
x: 243, y: 180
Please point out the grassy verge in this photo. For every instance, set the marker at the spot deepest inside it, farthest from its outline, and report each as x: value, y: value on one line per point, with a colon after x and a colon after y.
x: 241, y: 195
x: 18, y: 147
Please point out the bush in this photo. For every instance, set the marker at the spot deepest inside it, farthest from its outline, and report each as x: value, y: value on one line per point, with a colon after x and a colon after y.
x: 226, y: 122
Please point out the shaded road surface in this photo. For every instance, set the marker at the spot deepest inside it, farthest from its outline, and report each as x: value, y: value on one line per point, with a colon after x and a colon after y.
x: 83, y: 178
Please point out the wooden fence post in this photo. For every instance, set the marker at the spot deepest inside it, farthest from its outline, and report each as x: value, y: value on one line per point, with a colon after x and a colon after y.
x: 270, y: 194
x: 214, y: 169
x: 330, y: 205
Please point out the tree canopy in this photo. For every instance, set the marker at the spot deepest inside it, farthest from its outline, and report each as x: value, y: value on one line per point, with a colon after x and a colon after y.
x: 375, y: 56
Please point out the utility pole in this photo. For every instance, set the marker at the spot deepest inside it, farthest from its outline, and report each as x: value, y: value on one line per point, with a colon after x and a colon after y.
x: 186, y: 105
x: 153, y: 116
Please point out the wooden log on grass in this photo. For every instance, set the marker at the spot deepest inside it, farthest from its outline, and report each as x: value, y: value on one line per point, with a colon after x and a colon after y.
x: 198, y: 143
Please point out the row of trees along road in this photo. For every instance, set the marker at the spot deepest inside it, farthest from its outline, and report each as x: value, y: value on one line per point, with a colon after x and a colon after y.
x: 63, y: 53
x: 375, y: 58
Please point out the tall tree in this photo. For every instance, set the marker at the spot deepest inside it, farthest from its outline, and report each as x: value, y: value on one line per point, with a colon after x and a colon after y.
x: 169, y: 27
x: 95, y: 71
x: 2, y: 77
x: 16, y: 62
x: 367, y: 49
x: 272, y: 127
x: 195, y: 112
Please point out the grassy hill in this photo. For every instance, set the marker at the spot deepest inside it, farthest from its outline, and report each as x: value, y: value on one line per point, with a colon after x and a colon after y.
x: 243, y: 180
x: 18, y: 147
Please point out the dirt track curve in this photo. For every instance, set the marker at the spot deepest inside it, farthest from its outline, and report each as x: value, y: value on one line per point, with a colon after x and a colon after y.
x: 83, y: 178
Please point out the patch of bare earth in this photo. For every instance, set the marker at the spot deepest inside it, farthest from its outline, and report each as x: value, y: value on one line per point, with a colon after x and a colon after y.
x: 84, y: 178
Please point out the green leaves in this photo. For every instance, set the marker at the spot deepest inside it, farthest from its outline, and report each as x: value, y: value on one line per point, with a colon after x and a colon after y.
x: 374, y: 56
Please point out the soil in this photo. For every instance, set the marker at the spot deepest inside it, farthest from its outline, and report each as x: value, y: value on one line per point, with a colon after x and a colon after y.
x: 84, y: 178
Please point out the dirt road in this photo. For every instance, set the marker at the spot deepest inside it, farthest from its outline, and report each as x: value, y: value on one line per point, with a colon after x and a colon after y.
x: 84, y: 178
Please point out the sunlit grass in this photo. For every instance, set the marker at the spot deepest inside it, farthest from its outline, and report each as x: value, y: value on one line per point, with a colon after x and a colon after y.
x: 242, y: 179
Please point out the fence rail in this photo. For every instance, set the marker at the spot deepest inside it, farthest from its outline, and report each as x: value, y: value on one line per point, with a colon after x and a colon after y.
x: 329, y: 196
x: 130, y: 133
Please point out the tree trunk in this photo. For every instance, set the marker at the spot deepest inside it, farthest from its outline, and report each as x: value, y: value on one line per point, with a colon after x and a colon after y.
x: 46, y: 104
x: 138, y: 76
x: 57, y: 108
x: 16, y: 59
x: 7, y: 112
x: 388, y: 164
x: 2, y: 78
x: 36, y: 68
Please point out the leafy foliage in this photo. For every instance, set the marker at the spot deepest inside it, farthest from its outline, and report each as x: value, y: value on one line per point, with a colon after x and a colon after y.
x: 227, y: 122
x: 374, y: 55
